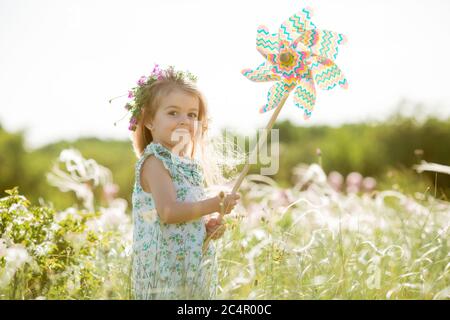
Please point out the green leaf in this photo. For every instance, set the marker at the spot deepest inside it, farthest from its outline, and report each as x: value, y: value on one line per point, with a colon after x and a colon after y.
x: 13, y: 192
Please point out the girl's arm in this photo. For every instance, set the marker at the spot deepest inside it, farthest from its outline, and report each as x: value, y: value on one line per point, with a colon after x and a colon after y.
x: 156, y: 176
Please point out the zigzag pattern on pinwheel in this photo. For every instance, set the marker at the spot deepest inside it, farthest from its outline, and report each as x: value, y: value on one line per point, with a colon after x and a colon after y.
x: 327, y: 77
x: 266, y: 43
x: 304, y: 19
x: 325, y: 43
x: 326, y: 73
x: 331, y: 83
x: 315, y: 61
x: 305, y: 96
x: 284, y: 33
x: 274, y: 97
x: 308, y: 13
x: 299, y: 23
x: 262, y: 73
x: 294, y: 27
x: 308, y: 38
x: 296, y: 24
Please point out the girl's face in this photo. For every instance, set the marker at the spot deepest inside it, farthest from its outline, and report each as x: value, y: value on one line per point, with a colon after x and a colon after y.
x: 175, y: 123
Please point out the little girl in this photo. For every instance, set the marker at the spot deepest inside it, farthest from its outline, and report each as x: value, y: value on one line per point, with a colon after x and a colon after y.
x: 172, y: 215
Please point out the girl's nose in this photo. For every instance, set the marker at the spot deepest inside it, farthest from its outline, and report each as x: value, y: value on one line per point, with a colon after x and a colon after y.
x: 184, y: 120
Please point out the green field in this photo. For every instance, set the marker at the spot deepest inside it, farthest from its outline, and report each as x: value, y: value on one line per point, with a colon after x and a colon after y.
x: 306, y: 242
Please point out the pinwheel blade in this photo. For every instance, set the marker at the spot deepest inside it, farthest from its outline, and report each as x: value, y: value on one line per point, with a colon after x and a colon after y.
x: 275, y: 95
x: 326, y: 73
x: 323, y: 43
x: 305, y: 96
x: 266, y: 43
x: 296, y: 25
x: 262, y: 73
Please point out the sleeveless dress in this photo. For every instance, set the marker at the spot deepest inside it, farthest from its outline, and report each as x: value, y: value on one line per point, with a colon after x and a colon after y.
x: 167, y: 258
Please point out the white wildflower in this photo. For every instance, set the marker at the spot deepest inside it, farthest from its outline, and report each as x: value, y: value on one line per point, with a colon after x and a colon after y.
x: 112, y: 218
x: 76, y: 239
x: 17, y: 255
x: 62, y: 215
x: 18, y: 207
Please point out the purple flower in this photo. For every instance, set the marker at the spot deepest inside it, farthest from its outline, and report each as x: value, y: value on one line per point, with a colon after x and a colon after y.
x: 156, y: 69
x: 133, y: 122
x: 130, y: 94
x: 157, y: 72
x: 353, y: 182
x: 369, y: 184
x: 142, y: 80
x: 335, y: 179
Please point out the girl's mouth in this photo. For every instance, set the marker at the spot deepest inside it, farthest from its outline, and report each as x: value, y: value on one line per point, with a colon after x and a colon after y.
x: 182, y: 130
x: 181, y: 133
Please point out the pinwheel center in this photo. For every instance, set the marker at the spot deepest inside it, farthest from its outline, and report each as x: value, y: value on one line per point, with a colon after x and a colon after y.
x: 287, y: 59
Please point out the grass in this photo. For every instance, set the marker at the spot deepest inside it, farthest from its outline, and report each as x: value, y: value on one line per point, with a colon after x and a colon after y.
x: 328, y: 245
x: 308, y: 242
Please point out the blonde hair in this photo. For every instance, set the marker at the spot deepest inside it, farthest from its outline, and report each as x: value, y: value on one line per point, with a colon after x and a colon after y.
x: 151, y: 100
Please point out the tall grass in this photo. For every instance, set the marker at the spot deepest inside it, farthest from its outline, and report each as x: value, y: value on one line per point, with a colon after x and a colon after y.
x: 308, y: 242
x: 320, y: 244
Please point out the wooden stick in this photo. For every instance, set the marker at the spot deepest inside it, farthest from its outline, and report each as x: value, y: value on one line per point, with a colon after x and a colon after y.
x: 259, y: 146
x: 247, y: 165
x: 222, y: 213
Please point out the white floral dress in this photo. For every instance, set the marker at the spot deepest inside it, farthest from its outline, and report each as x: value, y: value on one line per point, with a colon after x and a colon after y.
x: 167, y: 258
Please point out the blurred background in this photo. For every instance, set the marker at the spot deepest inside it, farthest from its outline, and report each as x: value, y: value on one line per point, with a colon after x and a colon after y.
x: 61, y: 62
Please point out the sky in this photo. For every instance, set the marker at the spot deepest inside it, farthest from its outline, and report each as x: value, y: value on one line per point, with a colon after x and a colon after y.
x: 61, y: 61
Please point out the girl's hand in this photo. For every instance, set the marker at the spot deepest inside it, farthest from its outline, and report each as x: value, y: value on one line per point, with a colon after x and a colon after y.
x: 228, y: 202
x: 215, y: 227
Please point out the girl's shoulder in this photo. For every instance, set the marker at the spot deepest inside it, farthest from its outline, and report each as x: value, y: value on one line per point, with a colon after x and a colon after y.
x: 159, y: 152
x: 166, y: 155
x: 175, y: 164
x: 156, y: 149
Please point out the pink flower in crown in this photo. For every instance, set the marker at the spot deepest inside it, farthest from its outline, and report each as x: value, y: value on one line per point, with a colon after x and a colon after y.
x: 130, y: 94
x: 157, y: 72
x: 142, y: 80
x: 133, y: 123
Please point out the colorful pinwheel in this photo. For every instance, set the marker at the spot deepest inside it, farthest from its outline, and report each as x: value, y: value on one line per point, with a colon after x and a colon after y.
x: 298, y: 57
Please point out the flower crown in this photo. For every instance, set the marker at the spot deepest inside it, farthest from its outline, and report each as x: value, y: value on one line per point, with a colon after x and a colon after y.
x: 138, y: 93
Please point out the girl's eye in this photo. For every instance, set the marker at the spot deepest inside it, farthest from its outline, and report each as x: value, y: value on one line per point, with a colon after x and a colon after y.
x: 191, y: 115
